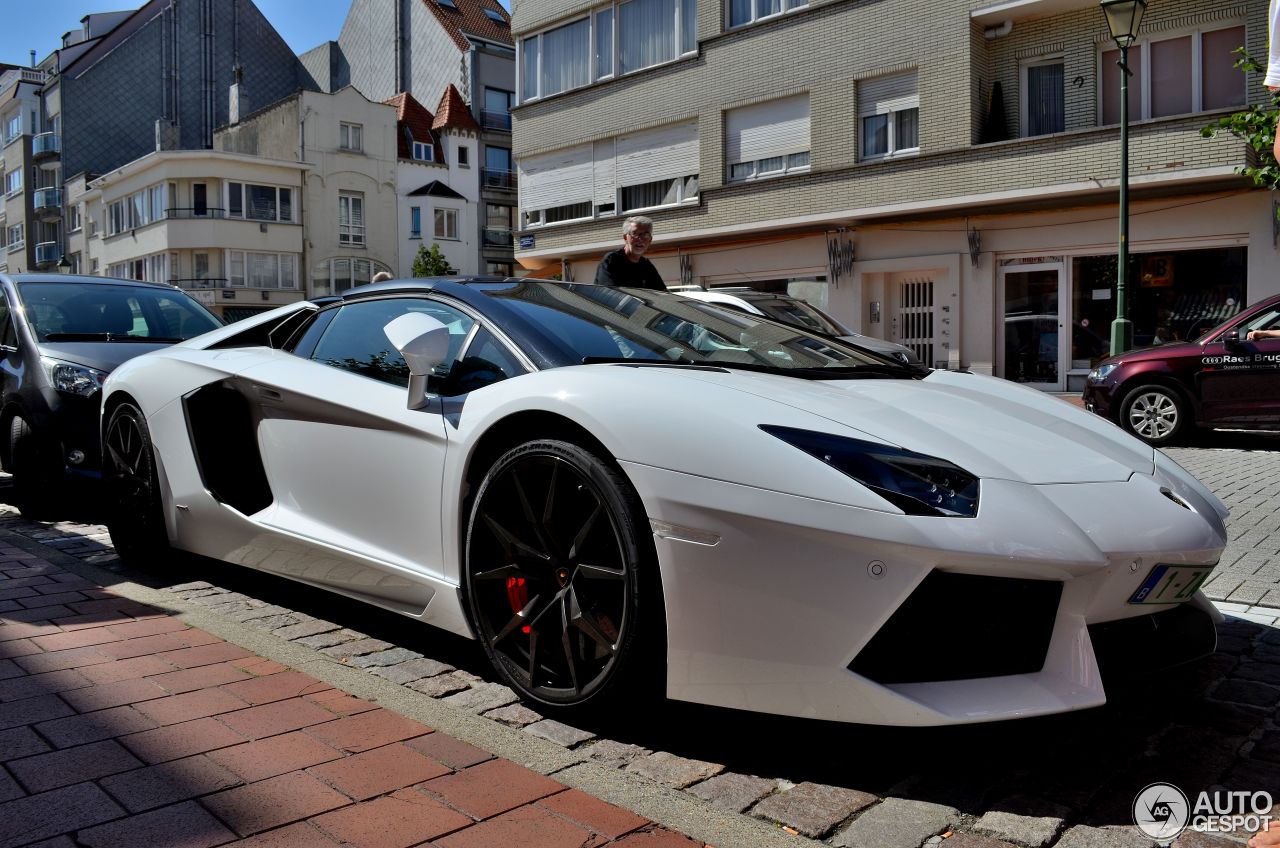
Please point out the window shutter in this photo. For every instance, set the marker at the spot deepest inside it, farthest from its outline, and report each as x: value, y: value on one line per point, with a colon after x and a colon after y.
x: 659, y: 154
x: 557, y: 178
x: 605, y: 173
x: 768, y: 129
x: 888, y: 94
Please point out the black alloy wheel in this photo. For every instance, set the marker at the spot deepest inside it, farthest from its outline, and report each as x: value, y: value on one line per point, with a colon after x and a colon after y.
x: 135, y: 514
x: 37, y: 470
x: 554, y: 566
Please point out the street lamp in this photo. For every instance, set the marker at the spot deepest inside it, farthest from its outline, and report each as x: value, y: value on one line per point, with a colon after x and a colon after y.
x: 64, y: 264
x: 1123, y: 18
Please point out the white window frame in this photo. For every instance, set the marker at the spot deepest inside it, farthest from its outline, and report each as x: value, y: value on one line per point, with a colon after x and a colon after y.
x: 595, y: 36
x: 13, y: 183
x: 449, y: 217
x: 244, y: 201
x: 426, y: 149
x: 892, y: 151
x: 415, y: 222
x: 12, y: 126
x: 1141, y: 53
x: 351, y: 137
x: 756, y: 17
x: 783, y: 119
x: 75, y: 218
x: 1024, y: 92
x: 15, y: 237
x: 237, y: 263
x: 351, y: 234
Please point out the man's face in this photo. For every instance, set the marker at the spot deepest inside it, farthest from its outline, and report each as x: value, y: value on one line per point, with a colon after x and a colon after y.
x: 637, y: 239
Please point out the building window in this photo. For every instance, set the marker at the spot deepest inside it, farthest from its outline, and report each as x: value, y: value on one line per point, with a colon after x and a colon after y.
x: 259, y: 202
x: 350, y: 218
x: 424, y: 151
x: 350, y: 136
x: 746, y: 11
x: 262, y: 270
x: 75, y: 215
x: 496, y: 114
x: 15, y: 238
x: 1192, y: 72
x: 200, y: 265
x: 620, y: 38
x: 890, y: 111
x: 12, y: 127
x: 464, y: 157
x: 13, y: 182
x: 768, y: 139
x: 641, y: 170
x: 499, y: 170
x: 1043, y: 98
x: 334, y: 276
x: 500, y: 269
x: 415, y: 222
x: 446, y: 224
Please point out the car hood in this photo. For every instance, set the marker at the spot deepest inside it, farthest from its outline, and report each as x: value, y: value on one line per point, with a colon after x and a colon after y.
x: 104, y: 356
x: 877, y: 345
x: 1163, y: 351
x: 990, y: 427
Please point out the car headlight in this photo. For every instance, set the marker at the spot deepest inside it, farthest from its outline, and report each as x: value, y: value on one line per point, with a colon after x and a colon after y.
x: 915, y: 483
x: 72, y: 378
x: 1100, y: 373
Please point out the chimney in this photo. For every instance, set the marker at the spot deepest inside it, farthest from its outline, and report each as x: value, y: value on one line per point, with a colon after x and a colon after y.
x: 33, y: 58
x: 239, y: 106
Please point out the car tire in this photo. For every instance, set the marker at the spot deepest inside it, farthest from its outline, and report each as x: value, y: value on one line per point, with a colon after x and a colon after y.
x: 1155, y: 413
x: 135, y: 515
x: 560, y: 580
x: 37, y: 473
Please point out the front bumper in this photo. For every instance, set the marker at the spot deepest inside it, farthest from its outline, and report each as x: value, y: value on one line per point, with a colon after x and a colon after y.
x: 770, y: 598
x: 1098, y: 398
x: 70, y: 424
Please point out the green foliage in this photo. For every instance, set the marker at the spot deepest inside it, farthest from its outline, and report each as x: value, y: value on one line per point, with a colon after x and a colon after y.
x: 431, y: 263
x: 1256, y: 126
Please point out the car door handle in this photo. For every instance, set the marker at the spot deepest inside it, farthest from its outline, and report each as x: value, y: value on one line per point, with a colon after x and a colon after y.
x: 270, y: 395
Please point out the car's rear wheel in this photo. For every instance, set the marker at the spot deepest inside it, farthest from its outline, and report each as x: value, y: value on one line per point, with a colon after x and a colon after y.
x: 1154, y: 413
x: 37, y: 471
x: 135, y: 515
x: 555, y: 566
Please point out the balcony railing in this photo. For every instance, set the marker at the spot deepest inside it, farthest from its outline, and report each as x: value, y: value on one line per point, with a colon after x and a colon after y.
x: 48, y: 200
x: 46, y: 144
x: 11, y: 78
x: 500, y: 121
x: 48, y: 253
x: 183, y: 212
x: 505, y: 180
x: 497, y: 237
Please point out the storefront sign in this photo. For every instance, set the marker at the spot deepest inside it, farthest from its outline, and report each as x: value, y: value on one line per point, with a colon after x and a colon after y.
x: 526, y: 242
x: 1157, y: 271
x: 205, y: 297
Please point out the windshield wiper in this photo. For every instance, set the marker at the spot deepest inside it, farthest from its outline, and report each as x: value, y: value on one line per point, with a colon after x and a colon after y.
x: 106, y: 337
x: 623, y: 360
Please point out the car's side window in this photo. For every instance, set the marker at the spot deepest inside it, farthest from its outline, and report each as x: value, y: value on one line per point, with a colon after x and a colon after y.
x: 8, y: 333
x: 355, y: 341
x: 484, y: 362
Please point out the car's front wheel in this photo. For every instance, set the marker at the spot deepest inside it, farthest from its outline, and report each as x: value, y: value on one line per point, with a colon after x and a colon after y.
x: 135, y: 516
x: 37, y: 471
x: 555, y: 567
x: 1154, y: 413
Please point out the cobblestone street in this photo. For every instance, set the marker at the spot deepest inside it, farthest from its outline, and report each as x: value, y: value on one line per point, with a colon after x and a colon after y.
x: 735, y: 779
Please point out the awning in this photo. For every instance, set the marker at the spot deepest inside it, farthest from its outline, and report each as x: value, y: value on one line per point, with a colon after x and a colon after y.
x: 1024, y: 10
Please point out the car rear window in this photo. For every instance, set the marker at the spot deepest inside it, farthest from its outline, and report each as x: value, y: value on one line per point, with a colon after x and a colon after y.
x: 69, y: 311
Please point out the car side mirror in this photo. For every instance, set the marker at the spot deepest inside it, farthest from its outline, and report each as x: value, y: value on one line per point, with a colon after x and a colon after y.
x: 424, y: 343
x: 1231, y: 338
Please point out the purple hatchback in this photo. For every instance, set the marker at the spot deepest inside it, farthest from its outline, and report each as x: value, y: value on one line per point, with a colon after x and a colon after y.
x: 1219, y: 380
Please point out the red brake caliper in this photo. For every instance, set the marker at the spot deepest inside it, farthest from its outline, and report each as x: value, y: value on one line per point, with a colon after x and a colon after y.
x: 518, y: 596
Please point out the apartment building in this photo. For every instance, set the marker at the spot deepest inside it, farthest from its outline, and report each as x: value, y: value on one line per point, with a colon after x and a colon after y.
x: 942, y: 174
x: 347, y: 145
x: 422, y: 47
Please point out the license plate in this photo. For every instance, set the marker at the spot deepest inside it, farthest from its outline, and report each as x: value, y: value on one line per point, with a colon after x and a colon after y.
x: 1171, y: 584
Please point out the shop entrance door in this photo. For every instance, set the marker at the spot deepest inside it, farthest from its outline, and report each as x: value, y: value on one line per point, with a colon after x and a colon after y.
x: 1036, y: 345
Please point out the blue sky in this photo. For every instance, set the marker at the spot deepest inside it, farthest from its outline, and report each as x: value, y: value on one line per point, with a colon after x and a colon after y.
x: 39, y: 24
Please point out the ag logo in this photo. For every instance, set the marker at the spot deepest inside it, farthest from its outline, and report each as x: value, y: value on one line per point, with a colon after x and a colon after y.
x: 1161, y: 812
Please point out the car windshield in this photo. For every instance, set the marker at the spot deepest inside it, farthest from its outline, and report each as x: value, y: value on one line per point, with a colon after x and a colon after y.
x: 79, y: 311
x: 598, y: 323
x: 799, y: 314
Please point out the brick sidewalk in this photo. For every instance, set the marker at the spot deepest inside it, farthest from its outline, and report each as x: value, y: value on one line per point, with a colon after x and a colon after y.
x: 122, y: 726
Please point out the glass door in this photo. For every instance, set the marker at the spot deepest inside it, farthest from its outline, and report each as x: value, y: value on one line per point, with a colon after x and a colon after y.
x: 1035, y: 339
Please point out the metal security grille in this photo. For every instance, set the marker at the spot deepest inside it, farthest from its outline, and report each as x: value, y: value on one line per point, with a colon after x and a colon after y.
x: 915, y: 317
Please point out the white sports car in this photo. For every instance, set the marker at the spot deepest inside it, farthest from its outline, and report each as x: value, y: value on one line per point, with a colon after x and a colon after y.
x: 614, y: 489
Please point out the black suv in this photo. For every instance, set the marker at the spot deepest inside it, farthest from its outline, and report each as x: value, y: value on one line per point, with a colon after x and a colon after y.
x: 59, y: 338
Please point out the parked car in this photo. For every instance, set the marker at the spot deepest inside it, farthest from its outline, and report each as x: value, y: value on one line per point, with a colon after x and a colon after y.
x: 60, y: 336
x: 798, y: 313
x: 621, y: 491
x: 1219, y: 380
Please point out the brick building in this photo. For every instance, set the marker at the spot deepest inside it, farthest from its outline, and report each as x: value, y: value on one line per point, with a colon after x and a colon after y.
x: 941, y: 173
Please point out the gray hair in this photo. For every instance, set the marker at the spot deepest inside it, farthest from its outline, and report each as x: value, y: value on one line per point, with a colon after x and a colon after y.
x: 381, y: 276
x: 638, y: 220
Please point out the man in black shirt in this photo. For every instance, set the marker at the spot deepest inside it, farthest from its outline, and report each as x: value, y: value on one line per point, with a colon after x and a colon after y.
x: 627, y: 265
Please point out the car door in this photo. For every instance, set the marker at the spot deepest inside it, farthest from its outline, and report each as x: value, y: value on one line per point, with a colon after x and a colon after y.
x: 1239, y: 381
x: 349, y: 464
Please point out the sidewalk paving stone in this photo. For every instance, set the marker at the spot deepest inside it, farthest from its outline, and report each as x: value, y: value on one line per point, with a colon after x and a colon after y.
x: 273, y: 802
x: 897, y: 823
x: 812, y: 809
x: 58, y: 811
x: 72, y: 765
x: 185, y: 825
x: 730, y: 791
x: 670, y: 770
x: 403, y: 818
x: 492, y: 787
x: 379, y: 771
